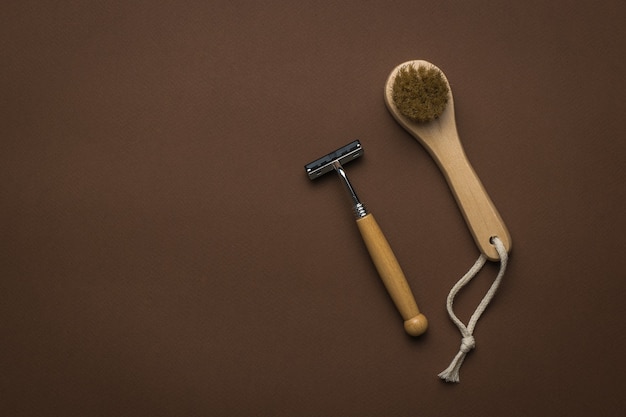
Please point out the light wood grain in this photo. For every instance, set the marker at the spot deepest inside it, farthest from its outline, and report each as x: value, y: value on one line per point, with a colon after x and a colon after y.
x: 392, y: 276
x: 442, y: 141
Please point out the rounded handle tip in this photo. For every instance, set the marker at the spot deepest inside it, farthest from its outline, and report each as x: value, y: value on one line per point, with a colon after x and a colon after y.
x: 417, y: 325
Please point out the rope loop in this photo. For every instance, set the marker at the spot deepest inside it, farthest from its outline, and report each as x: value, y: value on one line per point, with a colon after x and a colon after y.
x: 451, y: 373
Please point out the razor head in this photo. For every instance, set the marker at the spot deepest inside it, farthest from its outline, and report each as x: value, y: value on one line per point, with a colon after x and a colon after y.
x: 342, y: 155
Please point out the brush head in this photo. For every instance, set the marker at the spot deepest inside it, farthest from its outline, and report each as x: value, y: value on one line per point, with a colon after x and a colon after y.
x: 420, y: 93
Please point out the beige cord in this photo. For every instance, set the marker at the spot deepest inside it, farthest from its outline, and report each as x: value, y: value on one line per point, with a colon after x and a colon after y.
x: 451, y: 373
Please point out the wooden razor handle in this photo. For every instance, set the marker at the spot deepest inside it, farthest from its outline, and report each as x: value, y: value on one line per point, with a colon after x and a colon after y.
x: 415, y: 323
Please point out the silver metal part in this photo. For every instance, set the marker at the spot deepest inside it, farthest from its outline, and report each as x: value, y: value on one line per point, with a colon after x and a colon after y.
x: 359, y: 208
x: 333, y: 161
x: 324, y: 165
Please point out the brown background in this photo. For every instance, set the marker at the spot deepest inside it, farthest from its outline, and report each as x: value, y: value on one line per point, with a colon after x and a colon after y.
x: 164, y: 254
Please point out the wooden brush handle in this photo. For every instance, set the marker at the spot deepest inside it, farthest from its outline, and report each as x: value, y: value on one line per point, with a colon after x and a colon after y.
x: 441, y: 139
x: 480, y: 213
x: 415, y: 323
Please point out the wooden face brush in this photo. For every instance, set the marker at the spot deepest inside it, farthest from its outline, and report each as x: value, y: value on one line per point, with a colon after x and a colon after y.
x: 419, y: 97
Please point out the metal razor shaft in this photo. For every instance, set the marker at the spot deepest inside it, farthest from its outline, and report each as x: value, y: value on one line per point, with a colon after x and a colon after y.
x: 359, y: 208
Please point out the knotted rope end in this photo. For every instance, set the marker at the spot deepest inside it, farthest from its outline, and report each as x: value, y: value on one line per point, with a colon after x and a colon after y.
x: 451, y: 373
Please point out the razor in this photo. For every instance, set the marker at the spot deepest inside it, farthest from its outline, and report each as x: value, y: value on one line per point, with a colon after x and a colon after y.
x: 415, y: 323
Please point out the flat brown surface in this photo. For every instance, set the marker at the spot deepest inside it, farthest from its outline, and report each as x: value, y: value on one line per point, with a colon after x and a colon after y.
x: 164, y: 254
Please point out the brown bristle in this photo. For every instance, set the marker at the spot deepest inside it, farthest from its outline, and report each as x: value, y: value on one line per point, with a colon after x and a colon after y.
x: 420, y: 94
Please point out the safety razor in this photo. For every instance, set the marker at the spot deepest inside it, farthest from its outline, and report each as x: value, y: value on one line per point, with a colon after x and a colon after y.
x: 415, y: 323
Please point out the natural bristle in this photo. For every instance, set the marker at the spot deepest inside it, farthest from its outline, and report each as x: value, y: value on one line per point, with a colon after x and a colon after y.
x: 420, y: 94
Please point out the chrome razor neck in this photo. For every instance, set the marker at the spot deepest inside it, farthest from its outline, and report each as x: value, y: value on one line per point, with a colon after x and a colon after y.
x: 359, y: 208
